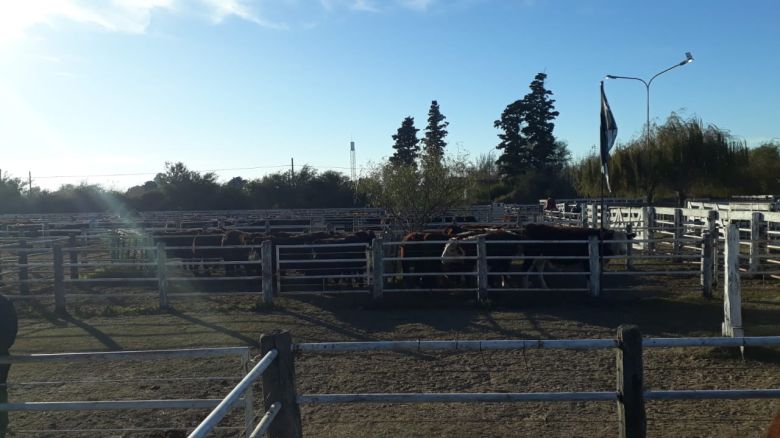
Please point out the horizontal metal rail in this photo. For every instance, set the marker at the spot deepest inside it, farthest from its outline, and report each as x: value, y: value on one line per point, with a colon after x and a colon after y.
x: 110, y: 405
x: 711, y: 394
x: 584, y: 344
x: 363, y: 260
x: 457, y: 397
x: 511, y: 344
x: 125, y: 355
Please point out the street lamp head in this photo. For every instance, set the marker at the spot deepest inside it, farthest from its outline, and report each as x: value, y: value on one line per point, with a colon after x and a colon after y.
x: 610, y: 77
x: 688, y: 58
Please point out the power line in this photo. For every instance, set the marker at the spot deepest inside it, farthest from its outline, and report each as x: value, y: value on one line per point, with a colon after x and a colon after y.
x: 200, y: 171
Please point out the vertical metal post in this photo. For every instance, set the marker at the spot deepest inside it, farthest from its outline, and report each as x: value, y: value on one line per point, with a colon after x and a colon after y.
x: 24, y: 286
x: 707, y: 270
x: 279, y: 386
x: 594, y: 220
x: 162, y: 275
x: 732, y: 296
x: 629, y: 248
x: 583, y: 209
x: 595, y: 266
x: 267, y: 264
x: 249, y: 399
x: 679, y: 231
x: 650, y: 226
x: 482, y: 269
x: 377, y: 263
x: 757, y: 241
x: 632, y: 422
x: 74, y: 257
x: 59, y: 280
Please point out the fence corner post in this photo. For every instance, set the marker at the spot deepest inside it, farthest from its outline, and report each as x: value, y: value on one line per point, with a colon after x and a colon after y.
x: 732, y: 295
x: 59, y: 280
x: 378, y: 268
x: 630, y: 383
x: 594, y: 261
x: 162, y: 275
x: 482, y: 270
x: 707, y: 270
x: 279, y: 385
x: 267, y: 270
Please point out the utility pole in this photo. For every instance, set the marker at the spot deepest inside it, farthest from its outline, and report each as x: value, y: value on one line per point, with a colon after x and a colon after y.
x: 29, y: 180
x: 292, y: 169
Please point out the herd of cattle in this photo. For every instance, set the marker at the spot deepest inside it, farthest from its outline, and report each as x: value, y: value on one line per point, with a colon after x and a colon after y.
x: 427, y: 259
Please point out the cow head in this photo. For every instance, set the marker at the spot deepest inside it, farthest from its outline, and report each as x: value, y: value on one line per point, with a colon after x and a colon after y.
x: 615, y: 242
x: 452, y: 248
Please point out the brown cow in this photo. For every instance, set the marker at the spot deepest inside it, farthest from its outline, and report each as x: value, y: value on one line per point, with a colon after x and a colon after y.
x: 774, y: 427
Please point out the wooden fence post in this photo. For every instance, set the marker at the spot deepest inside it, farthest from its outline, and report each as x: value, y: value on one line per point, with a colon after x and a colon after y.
x: 629, y: 249
x: 706, y: 265
x: 279, y: 385
x: 74, y: 258
x: 378, y: 269
x: 59, y: 280
x: 267, y: 265
x: 482, y: 269
x: 712, y: 227
x: 162, y: 275
x: 679, y: 231
x: 595, y: 266
x: 758, y: 238
x: 732, y: 296
x: 630, y: 383
x: 24, y: 286
x: 650, y: 225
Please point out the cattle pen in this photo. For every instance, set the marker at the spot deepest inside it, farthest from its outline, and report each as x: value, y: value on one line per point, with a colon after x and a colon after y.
x: 718, y: 258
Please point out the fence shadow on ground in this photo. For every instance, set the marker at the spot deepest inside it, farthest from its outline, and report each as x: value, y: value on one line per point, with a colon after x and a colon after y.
x: 63, y: 320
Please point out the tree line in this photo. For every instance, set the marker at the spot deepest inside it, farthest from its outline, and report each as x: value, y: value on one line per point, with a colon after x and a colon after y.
x: 681, y: 158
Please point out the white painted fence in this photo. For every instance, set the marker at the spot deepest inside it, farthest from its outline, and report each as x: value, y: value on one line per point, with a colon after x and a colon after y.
x: 630, y: 393
x: 243, y: 353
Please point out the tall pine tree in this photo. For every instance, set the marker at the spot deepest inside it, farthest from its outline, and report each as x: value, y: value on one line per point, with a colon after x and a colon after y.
x: 514, y: 156
x: 435, y: 132
x: 538, y: 130
x: 527, y: 141
x: 406, y: 144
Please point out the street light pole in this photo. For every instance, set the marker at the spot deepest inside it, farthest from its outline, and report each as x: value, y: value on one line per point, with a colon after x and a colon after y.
x: 688, y: 59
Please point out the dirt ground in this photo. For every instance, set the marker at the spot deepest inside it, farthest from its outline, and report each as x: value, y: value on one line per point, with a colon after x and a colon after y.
x: 661, y: 308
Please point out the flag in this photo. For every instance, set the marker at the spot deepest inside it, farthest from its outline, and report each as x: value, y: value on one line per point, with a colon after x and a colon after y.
x: 608, y: 134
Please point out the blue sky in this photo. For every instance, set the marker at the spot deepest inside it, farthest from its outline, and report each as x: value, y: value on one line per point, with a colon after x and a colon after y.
x: 119, y: 87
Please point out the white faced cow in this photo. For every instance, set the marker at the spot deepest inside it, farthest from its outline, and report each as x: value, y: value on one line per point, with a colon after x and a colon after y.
x: 612, y: 243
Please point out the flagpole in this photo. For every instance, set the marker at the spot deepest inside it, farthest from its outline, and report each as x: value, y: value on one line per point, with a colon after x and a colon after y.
x: 602, y: 201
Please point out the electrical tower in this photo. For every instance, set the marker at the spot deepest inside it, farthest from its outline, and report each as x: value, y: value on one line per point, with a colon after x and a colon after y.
x: 352, y: 167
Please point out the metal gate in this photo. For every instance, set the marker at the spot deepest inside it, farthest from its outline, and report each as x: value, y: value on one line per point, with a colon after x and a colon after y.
x: 323, y: 268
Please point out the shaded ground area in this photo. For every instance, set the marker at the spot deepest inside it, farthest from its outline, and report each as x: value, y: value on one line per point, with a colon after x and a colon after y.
x: 660, y: 308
